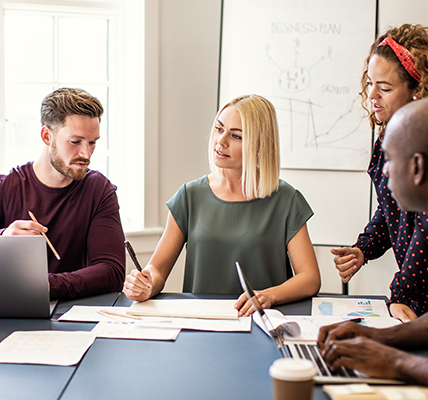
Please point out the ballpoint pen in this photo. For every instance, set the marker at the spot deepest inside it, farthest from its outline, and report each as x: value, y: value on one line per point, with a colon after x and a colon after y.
x: 356, y: 320
x: 133, y: 256
x: 46, y: 238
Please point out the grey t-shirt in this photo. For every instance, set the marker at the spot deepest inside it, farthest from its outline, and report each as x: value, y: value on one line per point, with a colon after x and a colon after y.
x: 218, y: 233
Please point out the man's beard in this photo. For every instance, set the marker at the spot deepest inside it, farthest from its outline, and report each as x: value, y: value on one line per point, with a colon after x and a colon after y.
x: 58, y: 163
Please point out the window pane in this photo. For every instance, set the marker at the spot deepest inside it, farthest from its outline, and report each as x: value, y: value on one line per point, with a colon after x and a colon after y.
x: 50, y: 52
x: 28, y: 48
x: 83, y: 50
x: 22, y: 109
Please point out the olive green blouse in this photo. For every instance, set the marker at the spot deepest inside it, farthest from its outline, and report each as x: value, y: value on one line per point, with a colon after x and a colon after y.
x: 218, y: 233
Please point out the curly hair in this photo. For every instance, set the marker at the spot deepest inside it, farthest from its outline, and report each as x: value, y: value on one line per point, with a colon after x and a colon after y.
x: 63, y: 102
x: 415, y: 39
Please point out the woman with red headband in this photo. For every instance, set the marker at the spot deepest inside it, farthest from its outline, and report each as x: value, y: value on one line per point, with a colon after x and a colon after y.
x: 396, y: 72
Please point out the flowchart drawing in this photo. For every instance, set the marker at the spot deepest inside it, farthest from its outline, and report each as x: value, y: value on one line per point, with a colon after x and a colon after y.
x: 307, y: 59
x: 297, y: 78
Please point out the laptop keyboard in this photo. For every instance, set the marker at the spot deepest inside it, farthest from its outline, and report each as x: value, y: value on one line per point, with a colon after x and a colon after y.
x: 311, y: 352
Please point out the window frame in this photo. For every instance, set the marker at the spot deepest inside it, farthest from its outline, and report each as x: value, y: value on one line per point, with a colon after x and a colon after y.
x: 131, y: 168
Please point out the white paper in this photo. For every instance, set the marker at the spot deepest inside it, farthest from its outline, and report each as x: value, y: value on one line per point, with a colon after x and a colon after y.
x: 356, y: 388
x: 242, y: 324
x: 310, y: 325
x: 350, y: 308
x: 186, y: 308
x: 91, y: 314
x: 402, y: 393
x: 45, y: 347
x: 118, y: 330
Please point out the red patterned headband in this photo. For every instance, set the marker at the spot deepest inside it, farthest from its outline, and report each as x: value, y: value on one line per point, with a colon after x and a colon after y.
x: 403, y: 55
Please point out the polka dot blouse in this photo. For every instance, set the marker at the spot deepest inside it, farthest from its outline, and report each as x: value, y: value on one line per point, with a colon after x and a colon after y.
x: 407, y: 234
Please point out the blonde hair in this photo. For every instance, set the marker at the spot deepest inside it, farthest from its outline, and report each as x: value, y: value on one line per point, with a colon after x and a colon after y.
x: 260, y: 146
x: 415, y: 39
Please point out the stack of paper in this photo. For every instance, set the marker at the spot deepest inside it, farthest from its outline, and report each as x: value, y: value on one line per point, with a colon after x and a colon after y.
x: 118, y: 314
x: 157, y: 319
x: 186, y: 308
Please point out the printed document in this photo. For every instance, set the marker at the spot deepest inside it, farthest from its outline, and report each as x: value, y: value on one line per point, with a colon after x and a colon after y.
x: 45, y: 347
x: 349, y: 308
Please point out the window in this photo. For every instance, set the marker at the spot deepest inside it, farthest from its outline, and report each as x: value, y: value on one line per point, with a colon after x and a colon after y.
x: 52, y: 46
x: 63, y: 49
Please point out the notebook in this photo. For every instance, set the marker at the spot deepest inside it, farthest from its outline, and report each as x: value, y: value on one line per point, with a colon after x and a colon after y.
x: 24, y: 289
x: 305, y: 349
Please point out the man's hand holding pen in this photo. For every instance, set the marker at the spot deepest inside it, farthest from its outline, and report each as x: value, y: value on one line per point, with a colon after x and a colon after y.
x: 24, y: 227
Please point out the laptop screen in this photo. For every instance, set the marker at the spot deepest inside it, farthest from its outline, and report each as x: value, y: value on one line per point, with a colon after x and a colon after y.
x: 24, y: 289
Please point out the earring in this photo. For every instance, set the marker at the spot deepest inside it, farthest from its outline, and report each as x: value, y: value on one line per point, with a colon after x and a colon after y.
x: 415, y: 98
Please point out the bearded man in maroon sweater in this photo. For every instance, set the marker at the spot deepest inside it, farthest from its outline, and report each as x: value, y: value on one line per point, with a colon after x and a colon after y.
x: 77, y: 206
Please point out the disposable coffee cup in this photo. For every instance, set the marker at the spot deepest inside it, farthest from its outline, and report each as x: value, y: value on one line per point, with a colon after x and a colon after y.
x: 292, y: 379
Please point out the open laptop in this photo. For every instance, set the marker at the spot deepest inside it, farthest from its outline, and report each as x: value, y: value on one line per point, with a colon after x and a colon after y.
x: 24, y: 289
x: 305, y: 349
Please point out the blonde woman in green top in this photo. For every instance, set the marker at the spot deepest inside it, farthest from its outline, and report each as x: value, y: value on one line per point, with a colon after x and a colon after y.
x: 241, y: 212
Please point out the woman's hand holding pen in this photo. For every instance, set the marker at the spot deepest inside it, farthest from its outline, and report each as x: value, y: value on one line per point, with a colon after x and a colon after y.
x: 138, y: 285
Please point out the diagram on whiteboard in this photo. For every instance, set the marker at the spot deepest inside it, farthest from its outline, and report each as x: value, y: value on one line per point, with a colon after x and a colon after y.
x: 297, y: 78
x: 310, y: 68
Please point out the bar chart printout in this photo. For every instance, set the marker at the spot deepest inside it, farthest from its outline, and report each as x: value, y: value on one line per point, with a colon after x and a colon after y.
x: 351, y: 308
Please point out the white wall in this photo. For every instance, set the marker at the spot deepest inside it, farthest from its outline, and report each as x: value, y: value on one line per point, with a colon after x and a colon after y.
x: 340, y: 201
x: 187, y: 33
x: 188, y: 51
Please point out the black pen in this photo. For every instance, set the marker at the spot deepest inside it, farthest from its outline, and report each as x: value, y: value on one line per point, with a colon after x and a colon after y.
x: 356, y: 320
x: 133, y: 256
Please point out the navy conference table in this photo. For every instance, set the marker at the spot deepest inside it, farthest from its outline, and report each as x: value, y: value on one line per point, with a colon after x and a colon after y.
x: 198, y: 365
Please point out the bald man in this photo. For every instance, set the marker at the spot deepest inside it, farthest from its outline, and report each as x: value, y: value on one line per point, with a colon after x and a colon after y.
x: 379, y: 352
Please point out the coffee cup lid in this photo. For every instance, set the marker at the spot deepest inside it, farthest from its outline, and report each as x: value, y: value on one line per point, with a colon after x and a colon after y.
x: 292, y: 369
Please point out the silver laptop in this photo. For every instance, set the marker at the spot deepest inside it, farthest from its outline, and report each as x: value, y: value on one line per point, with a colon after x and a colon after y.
x: 304, y: 349
x: 24, y: 289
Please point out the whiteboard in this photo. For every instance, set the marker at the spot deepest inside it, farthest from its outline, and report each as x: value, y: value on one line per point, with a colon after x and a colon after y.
x: 307, y: 58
